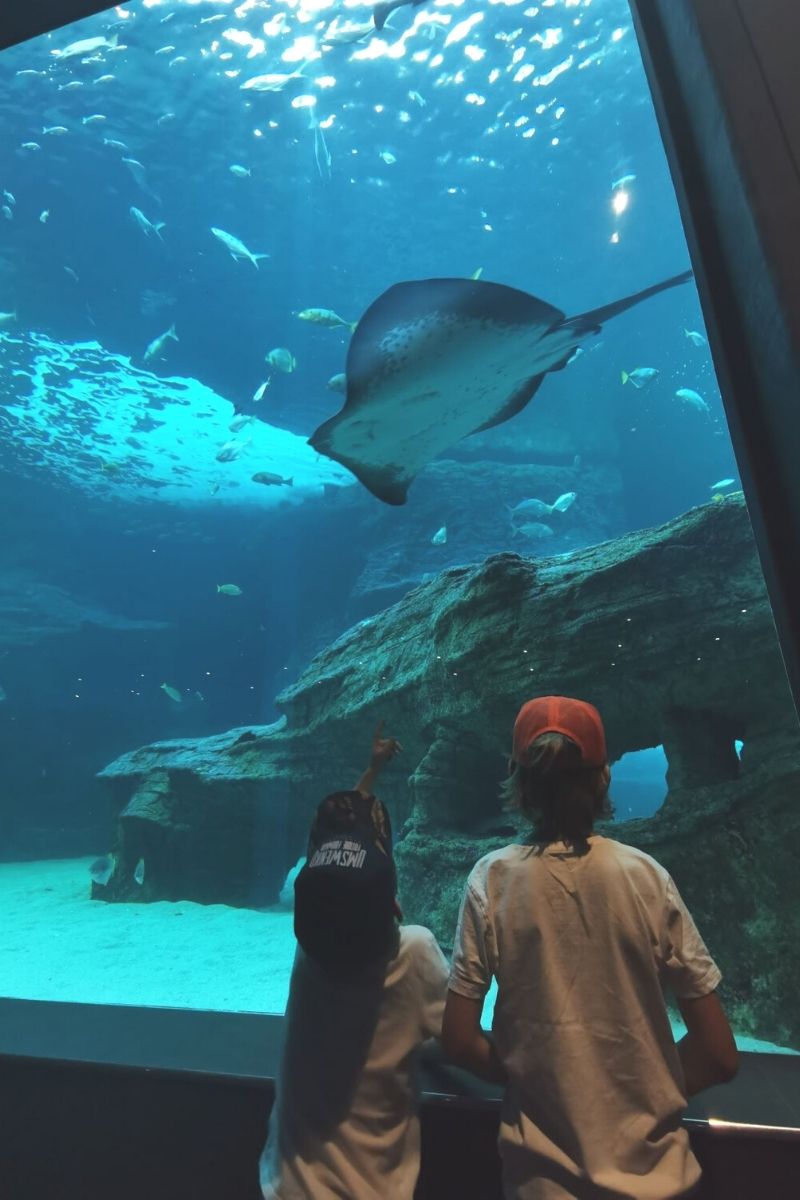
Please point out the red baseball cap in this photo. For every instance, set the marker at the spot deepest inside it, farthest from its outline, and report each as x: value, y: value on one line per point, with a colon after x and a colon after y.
x: 576, y: 719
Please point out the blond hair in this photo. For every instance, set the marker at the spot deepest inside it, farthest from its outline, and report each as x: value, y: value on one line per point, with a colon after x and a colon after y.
x: 557, y: 792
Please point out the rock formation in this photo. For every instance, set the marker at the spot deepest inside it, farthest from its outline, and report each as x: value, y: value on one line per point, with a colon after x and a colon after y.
x: 31, y: 609
x: 667, y: 630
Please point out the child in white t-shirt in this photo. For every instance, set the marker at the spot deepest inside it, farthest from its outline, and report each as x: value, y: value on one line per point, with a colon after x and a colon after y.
x: 582, y: 933
x: 365, y: 994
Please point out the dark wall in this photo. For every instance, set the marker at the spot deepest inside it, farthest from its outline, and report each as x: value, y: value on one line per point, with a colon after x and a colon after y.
x: 93, y: 1133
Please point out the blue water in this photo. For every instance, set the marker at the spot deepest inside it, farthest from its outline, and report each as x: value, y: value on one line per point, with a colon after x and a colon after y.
x: 469, y: 136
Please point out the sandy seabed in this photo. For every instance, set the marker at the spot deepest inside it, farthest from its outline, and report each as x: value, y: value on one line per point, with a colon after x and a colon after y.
x: 56, y: 943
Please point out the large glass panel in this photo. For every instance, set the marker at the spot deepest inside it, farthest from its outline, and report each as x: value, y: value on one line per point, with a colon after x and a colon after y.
x: 256, y: 500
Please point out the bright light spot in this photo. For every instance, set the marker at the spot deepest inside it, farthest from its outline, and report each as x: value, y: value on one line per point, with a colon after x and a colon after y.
x: 488, y: 228
x: 614, y: 240
x: 529, y: 133
x: 474, y: 98
x: 378, y: 108
x: 524, y: 72
x: 325, y: 81
x: 375, y: 48
x: 554, y: 141
x: 546, y: 80
x: 621, y: 201
x: 520, y: 121
x: 304, y: 101
x: 460, y: 31
x: 560, y: 112
x: 476, y: 53
x: 328, y: 122
x: 517, y: 56
x: 275, y: 26
x: 549, y: 39
x: 258, y: 133
x: 618, y: 35
x: 494, y: 75
x: 302, y: 48
x: 436, y: 61
x: 240, y: 37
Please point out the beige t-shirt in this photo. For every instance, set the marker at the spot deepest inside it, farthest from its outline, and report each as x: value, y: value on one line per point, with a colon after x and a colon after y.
x: 582, y: 948
x: 344, y: 1124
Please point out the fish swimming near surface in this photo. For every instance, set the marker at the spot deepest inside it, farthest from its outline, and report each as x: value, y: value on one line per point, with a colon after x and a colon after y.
x: 270, y: 478
x: 722, y: 483
x: 157, y: 347
x: 537, y: 531
x: 530, y: 509
x: 147, y: 227
x: 694, y: 337
x: 433, y: 361
x: 281, y: 359
x: 231, y: 451
x: 87, y: 46
x: 172, y: 692
x: 274, y: 82
x: 138, y: 872
x: 381, y: 12
x: 440, y: 537
x: 640, y: 377
x: 239, y: 422
x: 342, y: 34
x: 325, y: 317
x: 235, y: 247
x: 228, y: 589
x: 692, y: 398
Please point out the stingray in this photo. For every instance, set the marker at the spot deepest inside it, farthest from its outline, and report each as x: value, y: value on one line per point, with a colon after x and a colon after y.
x: 435, y: 360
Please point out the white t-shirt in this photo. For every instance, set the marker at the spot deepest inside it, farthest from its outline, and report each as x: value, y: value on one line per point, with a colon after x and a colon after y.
x: 344, y: 1123
x: 581, y: 948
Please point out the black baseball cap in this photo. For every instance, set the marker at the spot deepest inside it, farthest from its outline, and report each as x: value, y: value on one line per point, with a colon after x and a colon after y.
x: 344, y: 896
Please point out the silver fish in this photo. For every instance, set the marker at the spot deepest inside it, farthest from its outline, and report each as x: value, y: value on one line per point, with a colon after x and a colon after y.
x: 235, y: 247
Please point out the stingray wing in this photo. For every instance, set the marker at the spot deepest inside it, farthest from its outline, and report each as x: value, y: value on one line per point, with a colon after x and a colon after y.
x: 436, y: 360
x: 430, y: 363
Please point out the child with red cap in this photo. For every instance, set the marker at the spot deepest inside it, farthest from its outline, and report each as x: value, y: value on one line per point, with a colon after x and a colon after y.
x: 582, y: 933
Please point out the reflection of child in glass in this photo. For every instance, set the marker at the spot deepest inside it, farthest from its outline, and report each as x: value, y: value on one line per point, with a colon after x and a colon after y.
x: 365, y: 994
x: 582, y: 933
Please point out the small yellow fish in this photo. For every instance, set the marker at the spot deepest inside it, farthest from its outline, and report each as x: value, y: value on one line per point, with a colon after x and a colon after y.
x: 717, y: 498
x: 325, y: 317
x: 172, y: 692
x: 228, y: 589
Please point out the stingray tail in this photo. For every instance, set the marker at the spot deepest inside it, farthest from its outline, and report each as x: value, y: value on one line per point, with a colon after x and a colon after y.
x: 592, y: 321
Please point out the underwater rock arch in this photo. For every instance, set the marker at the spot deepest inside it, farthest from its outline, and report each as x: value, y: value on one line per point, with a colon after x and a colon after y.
x: 667, y: 630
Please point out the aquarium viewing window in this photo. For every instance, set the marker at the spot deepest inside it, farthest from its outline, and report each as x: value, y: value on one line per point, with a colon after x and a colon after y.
x: 264, y: 497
